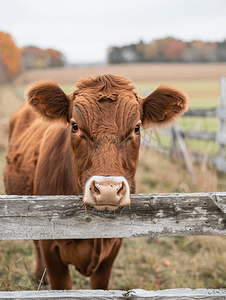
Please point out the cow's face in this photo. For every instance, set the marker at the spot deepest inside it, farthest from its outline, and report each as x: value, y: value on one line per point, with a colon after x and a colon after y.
x: 104, y: 116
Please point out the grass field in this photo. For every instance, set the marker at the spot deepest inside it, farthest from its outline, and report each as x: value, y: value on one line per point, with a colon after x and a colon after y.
x: 194, y: 262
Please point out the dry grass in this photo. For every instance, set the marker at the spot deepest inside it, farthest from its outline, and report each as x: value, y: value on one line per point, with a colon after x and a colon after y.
x: 186, y: 262
x: 157, y: 173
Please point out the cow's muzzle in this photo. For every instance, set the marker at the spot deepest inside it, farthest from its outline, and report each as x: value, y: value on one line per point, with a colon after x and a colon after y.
x: 107, y: 192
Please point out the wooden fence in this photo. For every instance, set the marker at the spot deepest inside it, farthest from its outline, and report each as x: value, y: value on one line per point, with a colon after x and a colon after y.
x: 151, y: 215
x: 220, y: 137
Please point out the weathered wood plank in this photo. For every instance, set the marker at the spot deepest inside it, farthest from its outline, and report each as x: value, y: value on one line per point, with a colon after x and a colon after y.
x: 186, y: 294
x: 60, y: 217
x: 200, y: 112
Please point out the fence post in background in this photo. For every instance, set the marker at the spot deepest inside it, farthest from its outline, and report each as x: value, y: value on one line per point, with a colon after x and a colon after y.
x: 146, y: 138
x: 188, y: 162
x: 173, y: 144
x: 222, y: 106
x: 220, y: 161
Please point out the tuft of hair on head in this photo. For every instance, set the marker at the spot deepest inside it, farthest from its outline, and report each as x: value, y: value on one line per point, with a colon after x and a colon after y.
x: 106, y: 83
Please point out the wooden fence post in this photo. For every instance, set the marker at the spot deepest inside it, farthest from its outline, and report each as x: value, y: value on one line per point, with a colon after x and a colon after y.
x: 173, y: 144
x: 188, y: 162
x: 222, y: 121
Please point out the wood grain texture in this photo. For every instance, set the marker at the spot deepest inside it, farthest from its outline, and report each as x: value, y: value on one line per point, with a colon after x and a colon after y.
x: 186, y: 294
x: 152, y: 215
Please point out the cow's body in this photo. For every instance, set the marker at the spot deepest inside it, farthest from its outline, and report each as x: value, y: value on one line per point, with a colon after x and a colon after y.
x: 28, y: 133
x: 91, y: 148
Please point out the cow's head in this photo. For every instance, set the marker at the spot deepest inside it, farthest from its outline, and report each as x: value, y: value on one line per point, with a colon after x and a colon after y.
x: 104, y: 116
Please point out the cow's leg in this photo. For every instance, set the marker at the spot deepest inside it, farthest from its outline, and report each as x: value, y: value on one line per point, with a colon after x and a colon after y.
x: 58, y: 272
x: 39, y: 264
x: 100, y: 279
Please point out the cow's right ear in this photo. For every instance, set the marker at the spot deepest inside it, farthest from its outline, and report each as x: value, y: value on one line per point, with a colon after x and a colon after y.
x: 49, y: 99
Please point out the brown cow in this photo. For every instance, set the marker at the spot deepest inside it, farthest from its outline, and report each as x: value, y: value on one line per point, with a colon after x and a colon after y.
x: 87, y: 143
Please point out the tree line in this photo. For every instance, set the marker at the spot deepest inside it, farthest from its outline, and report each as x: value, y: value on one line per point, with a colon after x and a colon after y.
x: 169, y: 50
x: 14, y: 60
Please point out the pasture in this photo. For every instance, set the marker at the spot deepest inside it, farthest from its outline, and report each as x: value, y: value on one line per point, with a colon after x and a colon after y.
x: 161, y: 263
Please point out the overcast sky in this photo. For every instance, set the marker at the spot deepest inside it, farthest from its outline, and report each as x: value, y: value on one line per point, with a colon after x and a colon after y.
x: 84, y: 29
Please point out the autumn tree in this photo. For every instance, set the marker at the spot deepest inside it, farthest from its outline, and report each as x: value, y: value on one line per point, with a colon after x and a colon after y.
x: 9, y: 57
x: 56, y: 58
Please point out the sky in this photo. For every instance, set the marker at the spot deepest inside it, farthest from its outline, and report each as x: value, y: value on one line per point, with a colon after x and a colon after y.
x: 83, y: 30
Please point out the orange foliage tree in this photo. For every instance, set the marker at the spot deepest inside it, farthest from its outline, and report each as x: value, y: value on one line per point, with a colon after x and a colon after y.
x: 56, y: 58
x: 9, y: 56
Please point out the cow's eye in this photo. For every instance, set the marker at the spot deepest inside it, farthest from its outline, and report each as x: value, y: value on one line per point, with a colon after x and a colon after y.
x: 137, y: 128
x: 74, y: 127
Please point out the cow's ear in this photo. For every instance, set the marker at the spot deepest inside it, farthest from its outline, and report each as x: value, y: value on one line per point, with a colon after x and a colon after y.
x: 49, y: 99
x: 163, y: 106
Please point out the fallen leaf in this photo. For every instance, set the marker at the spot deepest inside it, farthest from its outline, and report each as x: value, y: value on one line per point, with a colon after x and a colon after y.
x: 166, y: 262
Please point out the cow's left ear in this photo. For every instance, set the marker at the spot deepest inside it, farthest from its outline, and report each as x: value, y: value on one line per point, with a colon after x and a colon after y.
x: 163, y: 106
x: 49, y: 99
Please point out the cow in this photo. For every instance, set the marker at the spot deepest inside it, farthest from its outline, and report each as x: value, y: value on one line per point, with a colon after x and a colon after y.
x: 85, y: 143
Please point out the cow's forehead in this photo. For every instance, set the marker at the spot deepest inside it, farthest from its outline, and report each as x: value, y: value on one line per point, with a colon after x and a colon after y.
x: 89, y: 103
x: 112, y: 110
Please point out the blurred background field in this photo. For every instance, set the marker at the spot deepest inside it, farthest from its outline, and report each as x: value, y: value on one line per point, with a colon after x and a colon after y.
x: 160, y: 263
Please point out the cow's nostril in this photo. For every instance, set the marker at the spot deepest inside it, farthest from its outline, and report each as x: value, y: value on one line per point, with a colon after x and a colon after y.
x: 94, y: 188
x: 122, y: 190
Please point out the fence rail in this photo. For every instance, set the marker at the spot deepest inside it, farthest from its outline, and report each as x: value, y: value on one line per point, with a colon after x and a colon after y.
x: 201, y: 112
x: 152, y: 215
x: 172, y: 294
